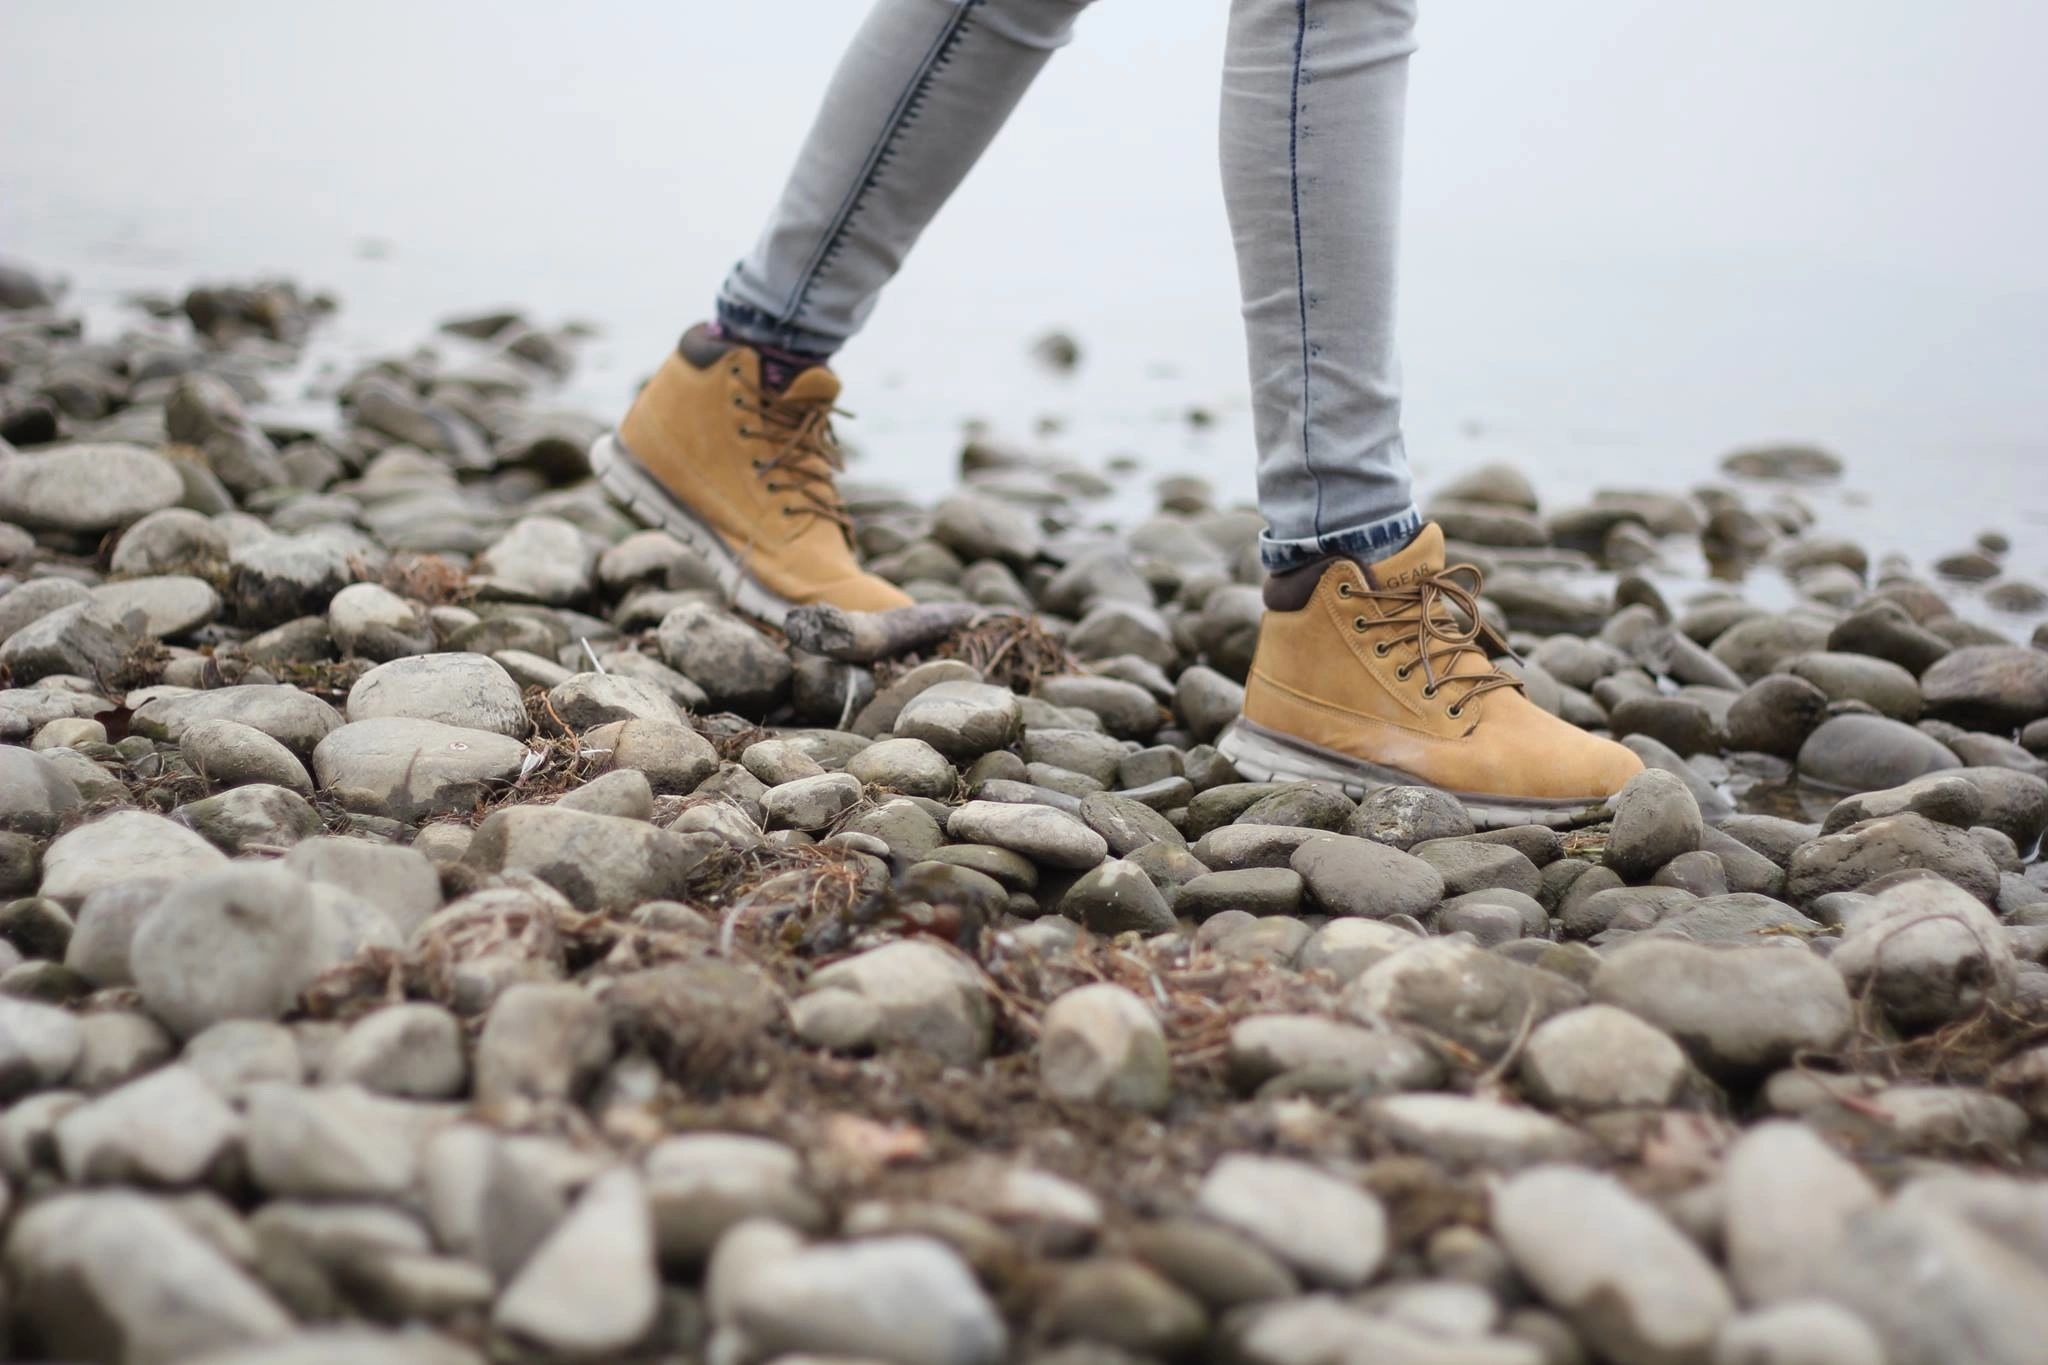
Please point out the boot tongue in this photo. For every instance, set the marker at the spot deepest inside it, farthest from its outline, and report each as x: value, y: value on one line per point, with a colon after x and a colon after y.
x: 1416, y: 561
x: 816, y: 385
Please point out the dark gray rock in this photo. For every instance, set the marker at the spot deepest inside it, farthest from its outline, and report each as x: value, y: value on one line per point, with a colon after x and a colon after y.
x: 1656, y: 818
x: 1860, y: 854
x: 735, y: 664
x: 1997, y: 687
x: 1349, y: 876
x: 2015, y: 804
x: 1860, y: 753
x: 1467, y: 865
x: 1116, y: 897
x: 1402, y: 817
x: 1885, y: 630
x: 1775, y: 715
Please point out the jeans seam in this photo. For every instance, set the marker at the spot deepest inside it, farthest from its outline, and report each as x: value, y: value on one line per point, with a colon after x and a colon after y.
x: 1300, y: 255
x: 900, y: 118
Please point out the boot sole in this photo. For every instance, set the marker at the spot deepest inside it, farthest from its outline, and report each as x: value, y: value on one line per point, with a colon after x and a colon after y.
x: 1263, y: 755
x: 645, y: 497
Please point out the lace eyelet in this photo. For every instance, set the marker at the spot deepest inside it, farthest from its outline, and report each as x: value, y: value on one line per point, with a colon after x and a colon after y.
x: 1429, y: 691
x: 1401, y: 673
x: 1344, y: 590
x: 1383, y: 649
x: 1358, y: 623
x: 1456, y: 709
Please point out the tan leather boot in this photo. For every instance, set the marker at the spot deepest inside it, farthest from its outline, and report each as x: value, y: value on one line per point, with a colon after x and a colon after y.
x: 744, y: 476
x: 1366, y: 676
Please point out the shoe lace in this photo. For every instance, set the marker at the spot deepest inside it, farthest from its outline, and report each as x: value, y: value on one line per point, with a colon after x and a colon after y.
x: 807, y: 460
x: 1440, y: 616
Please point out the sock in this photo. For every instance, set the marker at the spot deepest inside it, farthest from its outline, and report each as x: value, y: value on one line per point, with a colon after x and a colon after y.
x: 779, y: 364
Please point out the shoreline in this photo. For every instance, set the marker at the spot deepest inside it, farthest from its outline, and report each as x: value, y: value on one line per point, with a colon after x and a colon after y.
x: 432, y: 927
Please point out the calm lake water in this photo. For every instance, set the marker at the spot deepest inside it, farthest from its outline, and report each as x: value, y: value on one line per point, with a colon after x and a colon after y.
x: 1633, y: 243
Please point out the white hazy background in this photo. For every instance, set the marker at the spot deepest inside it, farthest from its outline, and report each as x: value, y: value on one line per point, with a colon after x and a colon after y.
x: 1637, y: 234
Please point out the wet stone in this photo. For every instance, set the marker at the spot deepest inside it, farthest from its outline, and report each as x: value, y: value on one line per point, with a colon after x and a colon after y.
x: 1853, y: 857
x: 1859, y: 753
x: 1253, y: 890
x: 1467, y: 865
x: 1403, y: 817
x: 1349, y: 876
x: 1655, y: 820
x: 905, y: 765
x: 1117, y: 897
x: 1944, y: 799
x: 1046, y: 836
x: 962, y: 720
x: 1302, y: 805
x: 1775, y: 715
x: 1998, y: 687
x: 734, y: 663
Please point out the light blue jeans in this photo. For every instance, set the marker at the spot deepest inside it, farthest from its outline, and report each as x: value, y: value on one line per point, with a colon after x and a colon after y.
x: 1314, y: 93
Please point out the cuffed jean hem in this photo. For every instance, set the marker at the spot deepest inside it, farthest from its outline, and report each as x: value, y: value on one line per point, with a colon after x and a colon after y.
x: 1372, y: 541
x: 745, y: 323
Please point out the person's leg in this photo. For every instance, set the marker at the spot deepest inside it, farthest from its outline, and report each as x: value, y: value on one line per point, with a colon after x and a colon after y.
x: 1372, y: 668
x: 1314, y: 97
x: 729, y: 446
x: 915, y: 102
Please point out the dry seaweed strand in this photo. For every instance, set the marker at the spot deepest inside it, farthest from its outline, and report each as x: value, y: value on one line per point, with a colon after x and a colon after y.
x: 1010, y: 650
x: 1197, y: 998
x: 430, y: 579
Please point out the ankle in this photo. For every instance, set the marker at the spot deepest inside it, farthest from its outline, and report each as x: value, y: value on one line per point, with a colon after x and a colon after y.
x: 779, y: 364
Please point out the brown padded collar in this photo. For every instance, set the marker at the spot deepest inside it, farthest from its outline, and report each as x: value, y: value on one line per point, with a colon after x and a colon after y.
x: 1291, y: 591
x: 700, y: 348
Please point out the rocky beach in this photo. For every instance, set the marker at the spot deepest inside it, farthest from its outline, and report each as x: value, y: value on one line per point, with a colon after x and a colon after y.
x: 435, y: 928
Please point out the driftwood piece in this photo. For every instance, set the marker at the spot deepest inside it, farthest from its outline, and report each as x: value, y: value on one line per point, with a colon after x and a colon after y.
x: 862, y: 637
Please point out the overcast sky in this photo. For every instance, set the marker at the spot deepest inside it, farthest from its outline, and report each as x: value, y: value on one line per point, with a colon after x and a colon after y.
x: 1897, y: 133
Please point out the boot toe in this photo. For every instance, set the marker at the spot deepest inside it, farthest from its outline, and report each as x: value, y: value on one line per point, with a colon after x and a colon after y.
x: 1604, y: 767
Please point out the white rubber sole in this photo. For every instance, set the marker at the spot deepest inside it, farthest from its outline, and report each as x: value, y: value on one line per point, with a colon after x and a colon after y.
x: 643, y: 496
x: 1262, y: 755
